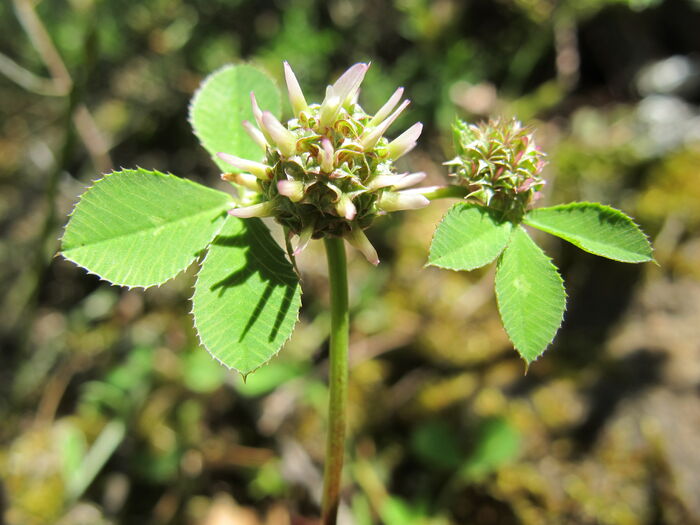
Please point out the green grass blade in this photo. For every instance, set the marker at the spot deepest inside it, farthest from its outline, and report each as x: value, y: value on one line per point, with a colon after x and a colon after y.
x: 531, y: 296
x: 247, y: 296
x: 222, y: 103
x: 141, y: 228
x: 595, y: 228
x: 468, y: 237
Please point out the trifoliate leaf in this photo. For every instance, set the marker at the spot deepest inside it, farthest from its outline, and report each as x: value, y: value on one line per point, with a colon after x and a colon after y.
x: 531, y: 296
x: 222, y: 103
x: 141, y: 228
x: 595, y: 228
x: 468, y: 237
x: 247, y: 296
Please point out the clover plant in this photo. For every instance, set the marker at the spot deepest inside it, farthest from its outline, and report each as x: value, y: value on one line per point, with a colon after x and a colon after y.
x: 328, y: 173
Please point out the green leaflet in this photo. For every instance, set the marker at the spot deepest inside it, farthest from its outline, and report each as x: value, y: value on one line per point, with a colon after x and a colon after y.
x: 530, y: 294
x: 141, y: 228
x: 247, y: 297
x: 222, y: 103
x: 595, y: 228
x: 468, y: 237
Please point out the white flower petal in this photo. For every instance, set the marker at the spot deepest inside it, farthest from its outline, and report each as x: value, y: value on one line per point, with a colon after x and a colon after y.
x: 386, y: 109
x: 404, y: 142
x: 264, y: 209
x: 296, y: 95
x: 260, y: 170
x: 281, y: 136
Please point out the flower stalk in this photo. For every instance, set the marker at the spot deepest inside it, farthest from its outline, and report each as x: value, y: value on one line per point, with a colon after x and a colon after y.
x: 337, y: 380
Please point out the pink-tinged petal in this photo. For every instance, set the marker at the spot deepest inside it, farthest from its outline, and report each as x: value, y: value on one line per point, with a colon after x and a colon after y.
x: 258, y: 169
x: 255, y: 134
x: 292, y: 189
x: 346, y: 208
x: 398, y: 182
x: 296, y: 95
x: 257, y: 112
x: 423, y: 190
x: 385, y: 181
x: 404, y: 142
x: 386, y: 109
x: 281, y: 136
x: 330, y: 106
x: 346, y: 87
x: 264, y: 209
x: 396, y: 201
x: 410, y: 180
x: 358, y: 240
x: 304, y: 238
x: 243, y: 179
x: 327, y: 155
x: 369, y: 139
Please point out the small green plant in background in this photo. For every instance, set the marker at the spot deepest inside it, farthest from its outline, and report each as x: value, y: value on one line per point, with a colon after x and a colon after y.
x: 328, y: 173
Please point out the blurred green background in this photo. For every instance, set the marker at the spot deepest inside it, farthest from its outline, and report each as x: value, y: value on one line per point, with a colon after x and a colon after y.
x: 110, y: 413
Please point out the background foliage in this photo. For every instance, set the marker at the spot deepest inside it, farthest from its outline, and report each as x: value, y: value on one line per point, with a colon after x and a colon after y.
x: 112, y: 413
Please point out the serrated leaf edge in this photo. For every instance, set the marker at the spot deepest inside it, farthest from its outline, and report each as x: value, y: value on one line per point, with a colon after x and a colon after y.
x: 199, y: 336
x: 207, y: 80
x: 582, y: 204
x: 133, y: 286
x: 498, y: 302
x: 432, y: 239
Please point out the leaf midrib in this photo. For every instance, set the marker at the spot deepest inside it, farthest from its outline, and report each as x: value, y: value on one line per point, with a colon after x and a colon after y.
x: 221, y: 207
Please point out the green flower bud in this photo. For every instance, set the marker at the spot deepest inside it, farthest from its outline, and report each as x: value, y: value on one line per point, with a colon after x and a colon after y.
x: 500, y: 164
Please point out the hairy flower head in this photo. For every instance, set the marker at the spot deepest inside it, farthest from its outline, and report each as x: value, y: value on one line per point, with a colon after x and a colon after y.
x: 329, y: 171
x: 499, y: 163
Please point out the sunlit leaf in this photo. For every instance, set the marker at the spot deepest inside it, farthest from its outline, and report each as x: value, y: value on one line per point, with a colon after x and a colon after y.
x: 595, y: 228
x: 141, y: 228
x: 468, y: 237
x: 222, y: 103
x: 531, y: 296
x: 247, y: 296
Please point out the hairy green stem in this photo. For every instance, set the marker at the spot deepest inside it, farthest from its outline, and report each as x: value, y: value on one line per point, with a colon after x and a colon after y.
x: 338, y: 379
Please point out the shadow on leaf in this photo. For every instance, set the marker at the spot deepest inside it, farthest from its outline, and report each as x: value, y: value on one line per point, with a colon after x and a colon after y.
x: 261, y: 259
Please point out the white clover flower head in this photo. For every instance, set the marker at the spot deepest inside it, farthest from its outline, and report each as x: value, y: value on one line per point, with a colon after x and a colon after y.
x: 500, y: 164
x: 329, y: 171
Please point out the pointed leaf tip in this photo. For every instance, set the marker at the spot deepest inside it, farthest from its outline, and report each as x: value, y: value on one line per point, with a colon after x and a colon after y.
x: 247, y: 296
x: 530, y: 295
x: 595, y: 228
